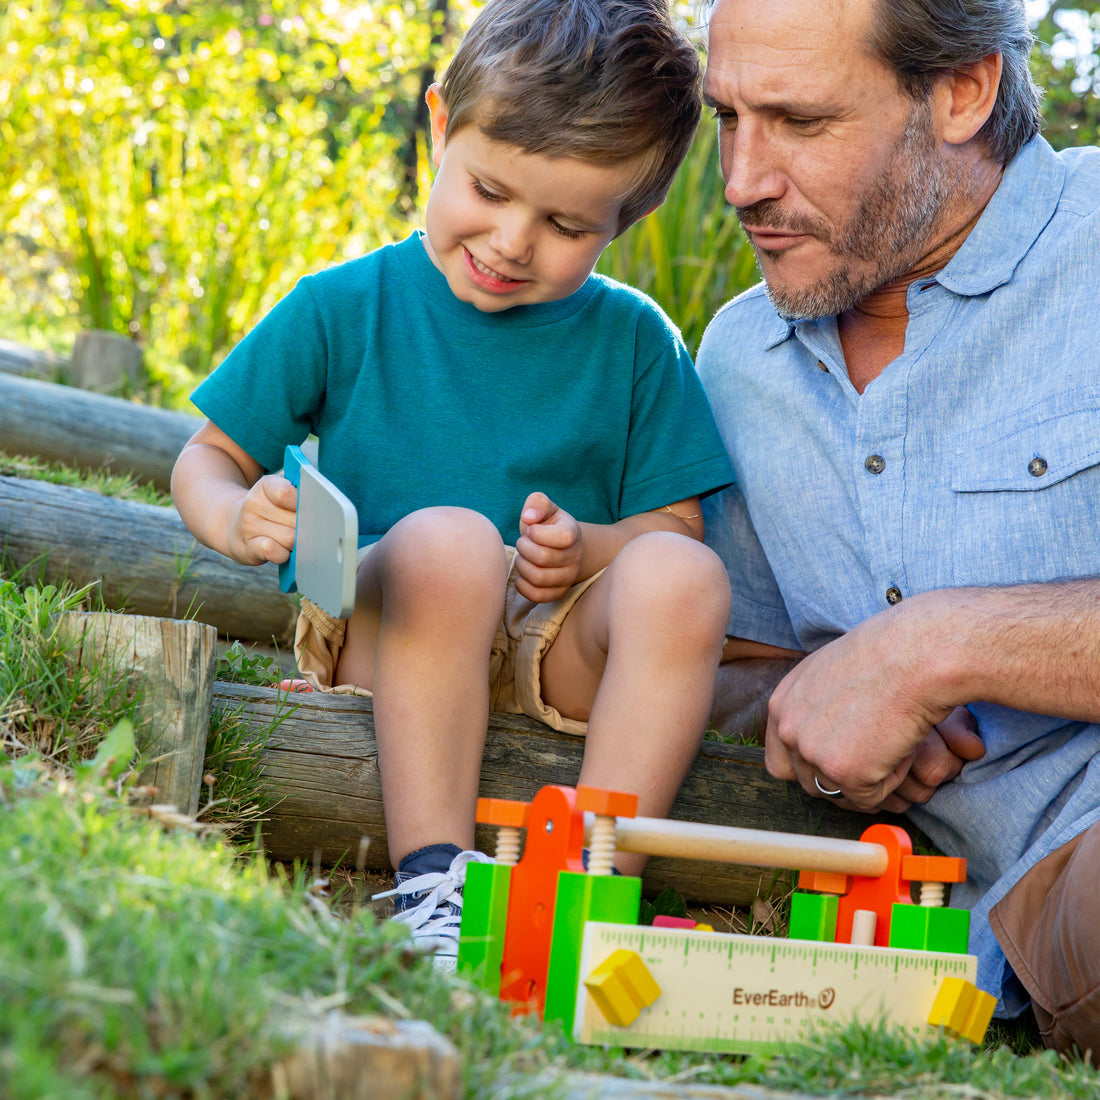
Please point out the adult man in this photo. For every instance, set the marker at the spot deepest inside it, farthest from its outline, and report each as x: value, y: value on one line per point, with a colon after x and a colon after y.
x: 912, y: 404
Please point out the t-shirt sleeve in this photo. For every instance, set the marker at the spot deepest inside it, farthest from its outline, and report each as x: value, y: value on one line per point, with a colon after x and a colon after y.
x: 758, y: 611
x: 269, y: 389
x: 673, y: 448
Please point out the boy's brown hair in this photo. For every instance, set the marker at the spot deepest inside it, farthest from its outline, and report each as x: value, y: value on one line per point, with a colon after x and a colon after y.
x: 603, y: 80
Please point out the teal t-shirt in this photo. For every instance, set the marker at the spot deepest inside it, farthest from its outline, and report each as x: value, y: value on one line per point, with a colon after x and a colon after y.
x: 418, y: 399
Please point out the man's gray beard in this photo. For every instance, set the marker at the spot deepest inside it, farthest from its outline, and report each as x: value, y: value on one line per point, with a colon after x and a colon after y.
x: 892, y: 226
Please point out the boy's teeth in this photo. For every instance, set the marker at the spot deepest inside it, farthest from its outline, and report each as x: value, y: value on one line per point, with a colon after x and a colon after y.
x: 485, y: 270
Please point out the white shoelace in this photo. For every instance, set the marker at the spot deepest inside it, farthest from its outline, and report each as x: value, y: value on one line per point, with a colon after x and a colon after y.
x: 439, y: 913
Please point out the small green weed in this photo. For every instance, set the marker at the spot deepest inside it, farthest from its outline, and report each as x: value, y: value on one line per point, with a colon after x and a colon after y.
x: 241, y: 665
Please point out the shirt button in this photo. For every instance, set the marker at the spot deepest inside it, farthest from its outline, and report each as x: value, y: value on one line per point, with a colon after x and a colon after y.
x: 1037, y: 467
x: 875, y: 463
x: 893, y: 595
x: 821, y: 366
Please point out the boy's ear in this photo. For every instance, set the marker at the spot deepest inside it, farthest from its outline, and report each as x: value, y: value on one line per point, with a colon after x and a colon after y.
x: 438, y: 111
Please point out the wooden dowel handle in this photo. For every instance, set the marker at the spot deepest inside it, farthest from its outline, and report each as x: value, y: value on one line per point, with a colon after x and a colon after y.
x: 751, y: 847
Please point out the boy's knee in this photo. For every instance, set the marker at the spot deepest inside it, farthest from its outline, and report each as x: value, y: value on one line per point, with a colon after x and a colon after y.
x: 676, y: 576
x: 445, y: 548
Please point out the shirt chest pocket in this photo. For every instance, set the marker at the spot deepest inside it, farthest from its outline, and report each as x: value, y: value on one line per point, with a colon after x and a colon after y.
x: 1027, y: 495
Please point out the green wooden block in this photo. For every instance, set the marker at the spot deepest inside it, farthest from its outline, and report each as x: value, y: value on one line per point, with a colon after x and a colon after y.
x: 484, y: 921
x: 581, y: 898
x: 928, y: 928
x: 813, y: 916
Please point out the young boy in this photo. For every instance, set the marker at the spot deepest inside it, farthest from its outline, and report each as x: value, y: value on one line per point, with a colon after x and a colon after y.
x: 477, y: 382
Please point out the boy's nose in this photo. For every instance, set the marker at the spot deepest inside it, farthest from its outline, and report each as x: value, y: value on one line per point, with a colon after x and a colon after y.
x: 512, y: 238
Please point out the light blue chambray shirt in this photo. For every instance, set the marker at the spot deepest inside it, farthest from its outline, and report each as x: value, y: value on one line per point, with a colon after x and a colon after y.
x: 973, y: 459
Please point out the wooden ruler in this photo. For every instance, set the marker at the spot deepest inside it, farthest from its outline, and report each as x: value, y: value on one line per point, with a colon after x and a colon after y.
x: 748, y: 994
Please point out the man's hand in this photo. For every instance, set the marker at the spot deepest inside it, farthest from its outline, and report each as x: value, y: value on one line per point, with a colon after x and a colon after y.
x: 939, y: 759
x: 858, y: 716
x: 548, y: 553
x: 261, y: 528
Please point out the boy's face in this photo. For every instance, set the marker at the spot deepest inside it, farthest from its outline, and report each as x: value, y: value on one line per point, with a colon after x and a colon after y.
x: 510, y: 228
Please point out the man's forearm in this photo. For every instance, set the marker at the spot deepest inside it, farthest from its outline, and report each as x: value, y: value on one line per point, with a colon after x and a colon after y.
x: 1033, y: 647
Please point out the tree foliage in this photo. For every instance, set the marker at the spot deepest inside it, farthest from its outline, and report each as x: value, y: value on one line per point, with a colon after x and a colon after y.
x: 176, y: 165
x: 1066, y: 64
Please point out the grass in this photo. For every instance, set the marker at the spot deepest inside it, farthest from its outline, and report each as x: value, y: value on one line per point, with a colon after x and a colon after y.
x: 142, y: 960
x: 97, y: 481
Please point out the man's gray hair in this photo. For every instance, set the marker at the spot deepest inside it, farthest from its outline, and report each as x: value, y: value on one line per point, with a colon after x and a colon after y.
x: 920, y: 39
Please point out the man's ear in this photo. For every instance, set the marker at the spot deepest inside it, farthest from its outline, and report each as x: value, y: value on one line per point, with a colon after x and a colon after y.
x: 965, y: 96
x: 438, y: 111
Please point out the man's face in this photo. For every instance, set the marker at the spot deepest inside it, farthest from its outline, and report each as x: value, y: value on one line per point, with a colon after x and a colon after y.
x: 836, y: 175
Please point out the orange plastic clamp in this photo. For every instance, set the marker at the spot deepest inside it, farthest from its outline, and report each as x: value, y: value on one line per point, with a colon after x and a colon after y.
x: 825, y: 882
x: 933, y: 869
x: 502, y: 811
x: 606, y: 803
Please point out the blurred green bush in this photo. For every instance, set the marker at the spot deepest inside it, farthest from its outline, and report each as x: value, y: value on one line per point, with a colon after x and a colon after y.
x: 169, y: 168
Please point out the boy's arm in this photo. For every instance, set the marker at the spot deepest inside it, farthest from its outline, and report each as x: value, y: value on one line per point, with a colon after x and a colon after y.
x: 555, y: 551
x: 228, y: 504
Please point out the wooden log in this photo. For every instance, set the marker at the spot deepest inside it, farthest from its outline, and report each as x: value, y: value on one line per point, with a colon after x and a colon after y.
x: 18, y: 359
x: 105, y: 362
x: 142, y: 557
x: 91, y: 431
x: 170, y: 665
x: 321, y: 762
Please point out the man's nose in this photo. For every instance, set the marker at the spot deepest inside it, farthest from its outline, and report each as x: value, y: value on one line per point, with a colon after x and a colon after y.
x: 749, y: 165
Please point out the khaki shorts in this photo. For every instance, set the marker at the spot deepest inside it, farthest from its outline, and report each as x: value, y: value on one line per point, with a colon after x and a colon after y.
x: 525, y: 632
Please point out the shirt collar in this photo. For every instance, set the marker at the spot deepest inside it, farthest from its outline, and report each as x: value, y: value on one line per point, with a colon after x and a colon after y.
x: 1025, y: 200
x: 1017, y: 213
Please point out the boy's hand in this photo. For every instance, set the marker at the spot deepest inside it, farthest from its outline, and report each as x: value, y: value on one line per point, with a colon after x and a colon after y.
x: 262, y: 527
x: 548, y: 552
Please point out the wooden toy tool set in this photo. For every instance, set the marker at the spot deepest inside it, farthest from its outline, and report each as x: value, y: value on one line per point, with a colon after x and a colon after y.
x: 553, y: 938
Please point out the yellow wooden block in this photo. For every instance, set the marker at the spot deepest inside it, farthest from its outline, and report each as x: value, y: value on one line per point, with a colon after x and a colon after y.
x: 622, y: 986
x: 700, y: 927
x: 963, y: 1009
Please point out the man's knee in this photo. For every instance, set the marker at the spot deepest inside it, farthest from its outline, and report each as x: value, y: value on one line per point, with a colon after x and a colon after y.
x: 1051, y: 920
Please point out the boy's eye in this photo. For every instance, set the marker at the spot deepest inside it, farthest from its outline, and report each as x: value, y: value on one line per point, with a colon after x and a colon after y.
x: 565, y: 231
x: 484, y: 192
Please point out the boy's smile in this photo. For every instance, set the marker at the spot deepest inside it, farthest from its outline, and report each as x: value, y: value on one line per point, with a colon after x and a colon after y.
x: 510, y: 228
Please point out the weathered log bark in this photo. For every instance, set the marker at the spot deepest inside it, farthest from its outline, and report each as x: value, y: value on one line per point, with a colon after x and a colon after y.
x: 142, y: 557
x: 170, y: 670
x: 17, y: 359
x: 89, y: 430
x: 321, y: 762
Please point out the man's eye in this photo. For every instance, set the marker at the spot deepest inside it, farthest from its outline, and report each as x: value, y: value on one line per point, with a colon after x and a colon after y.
x: 485, y: 193
x: 726, y: 119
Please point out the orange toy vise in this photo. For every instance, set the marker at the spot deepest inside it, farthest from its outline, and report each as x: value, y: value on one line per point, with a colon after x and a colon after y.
x: 555, y: 840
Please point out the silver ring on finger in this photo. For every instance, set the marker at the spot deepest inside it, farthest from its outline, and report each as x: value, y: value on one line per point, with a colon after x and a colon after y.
x: 838, y: 793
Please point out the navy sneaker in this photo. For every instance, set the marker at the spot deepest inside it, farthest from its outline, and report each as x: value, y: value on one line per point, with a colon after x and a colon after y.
x: 427, y: 898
